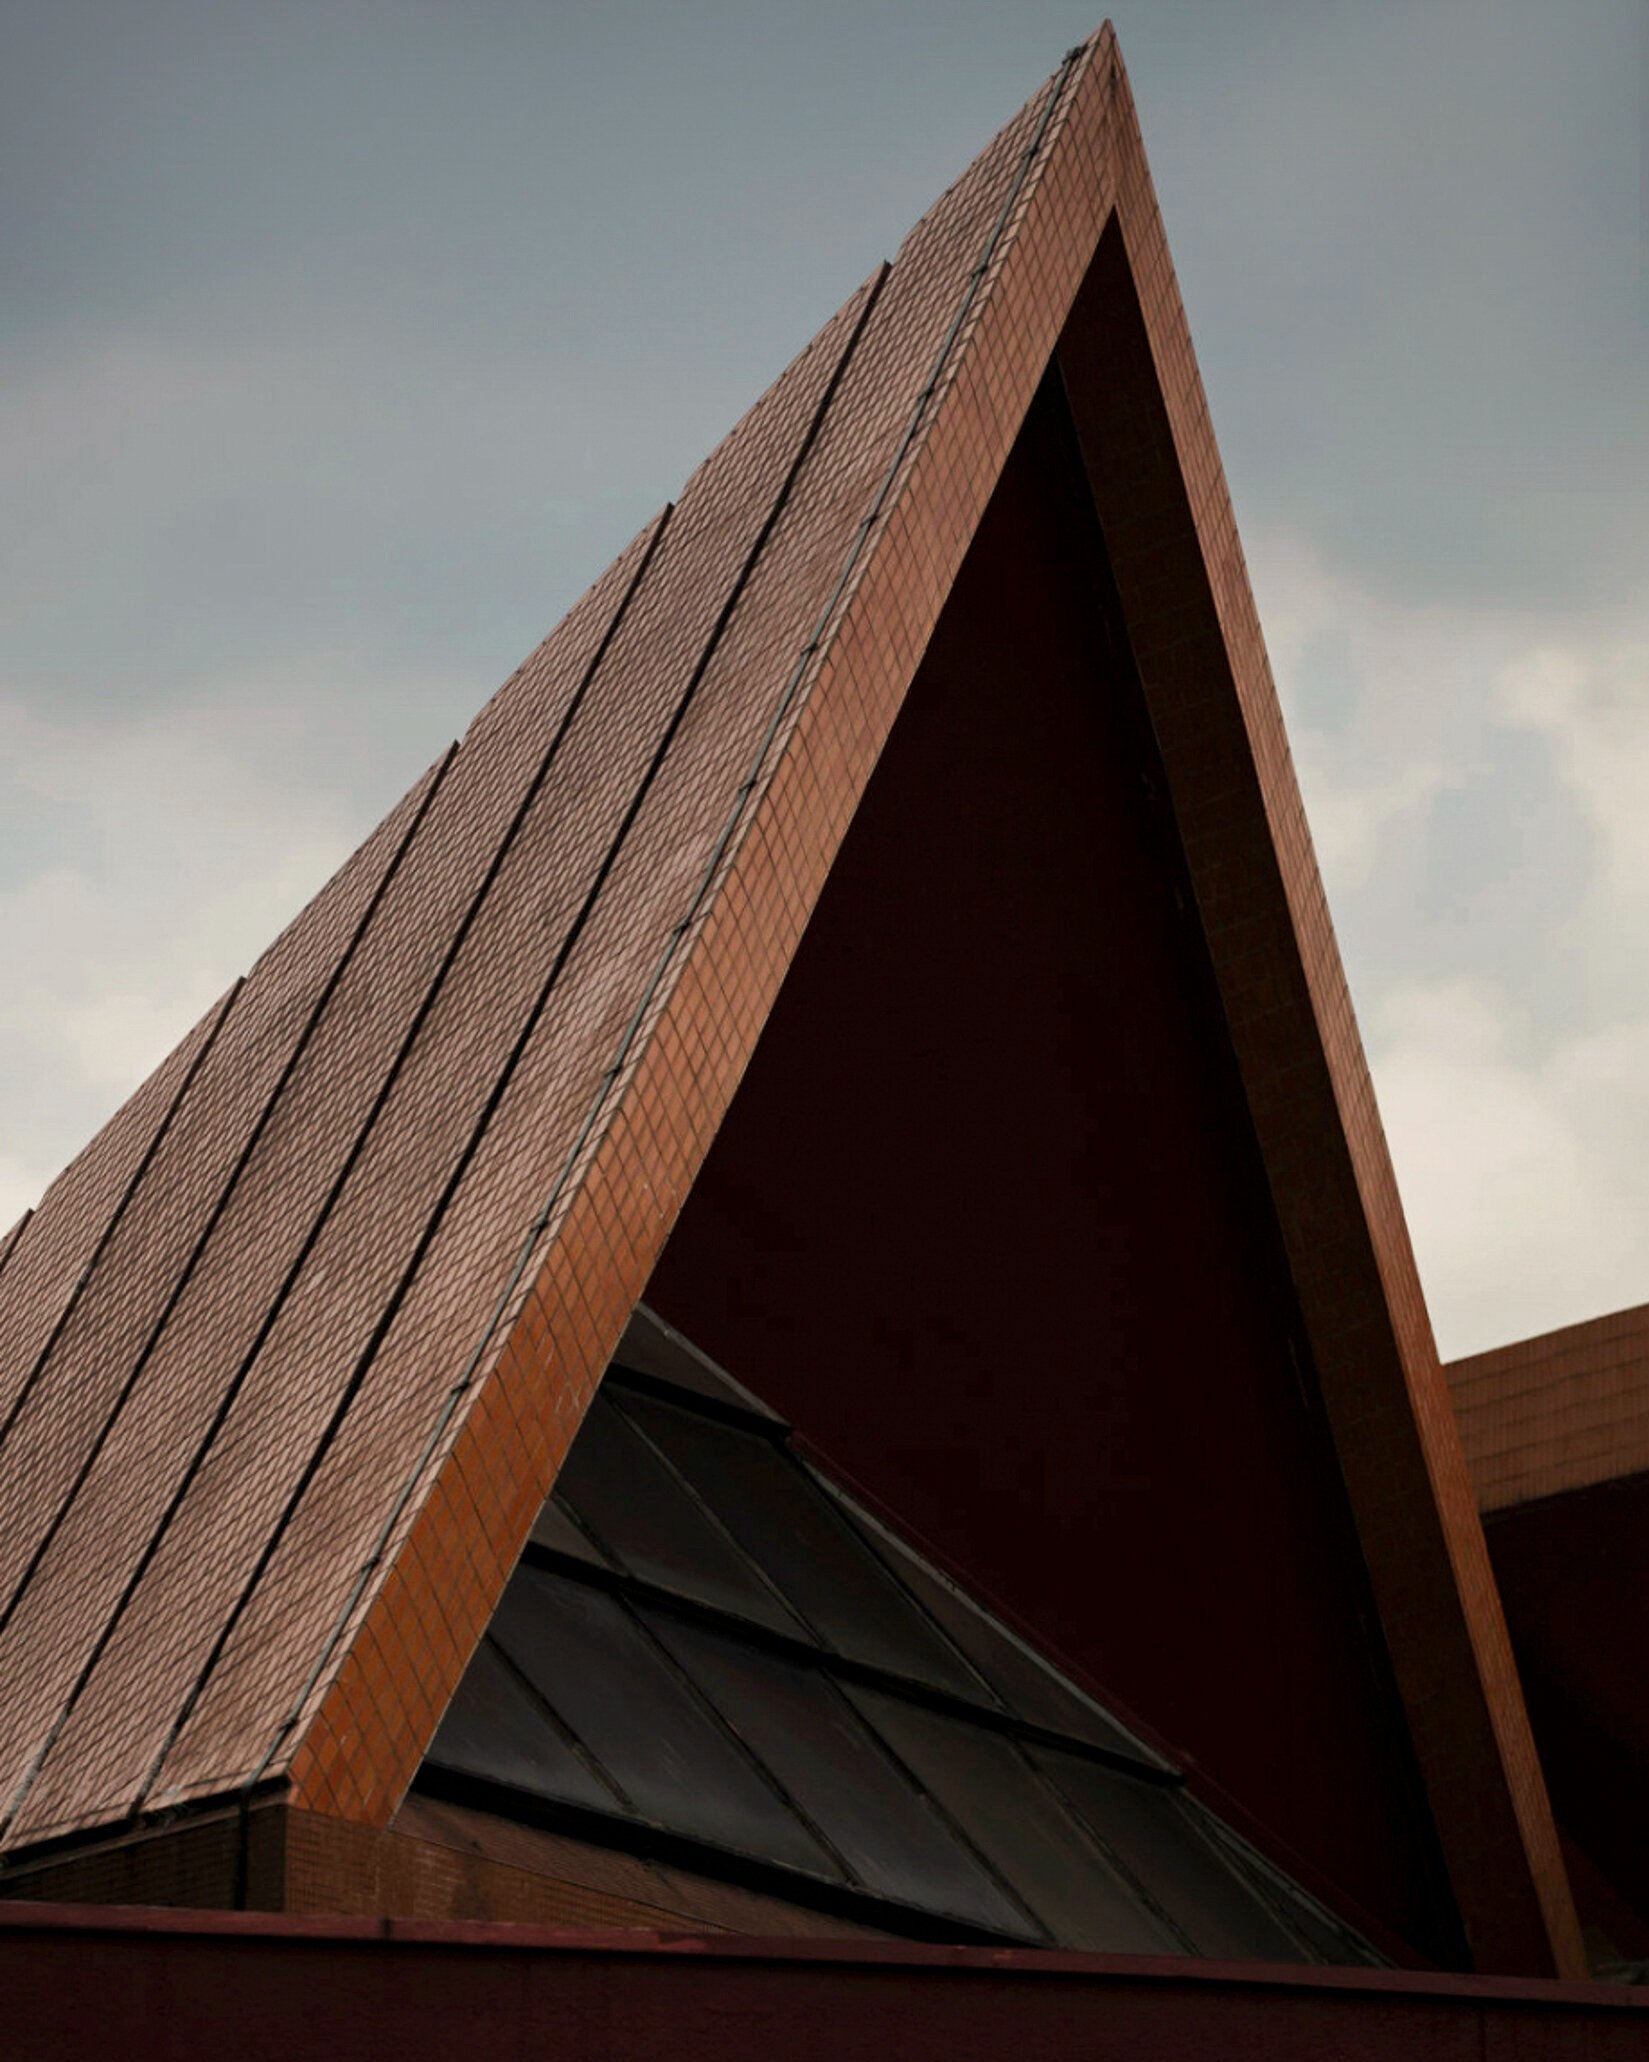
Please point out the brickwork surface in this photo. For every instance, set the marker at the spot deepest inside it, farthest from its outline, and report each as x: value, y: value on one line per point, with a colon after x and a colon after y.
x: 439, y: 1861
x: 291, y: 1355
x: 1562, y: 1411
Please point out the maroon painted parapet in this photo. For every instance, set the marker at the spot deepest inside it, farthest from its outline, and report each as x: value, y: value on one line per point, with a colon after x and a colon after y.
x: 85, y: 1982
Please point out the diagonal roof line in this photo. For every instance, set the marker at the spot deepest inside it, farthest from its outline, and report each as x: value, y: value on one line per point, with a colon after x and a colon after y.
x: 1288, y: 1012
x: 14, y: 1238
x: 26, y: 1782
x: 644, y: 559
x: 810, y: 651
x: 466, y: 1379
x: 207, y: 1032
x: 814, y: 646
x: 54, y: 1248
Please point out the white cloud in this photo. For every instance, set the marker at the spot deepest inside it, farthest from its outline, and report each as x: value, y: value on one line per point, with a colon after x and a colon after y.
x: 116, y: 1037
x: 1594, y: 707
x: 155, y: 859
x: 1511, y: 1060
x: 1523, y: 1176
x: 1349, y: 823
x: 20, y: 1188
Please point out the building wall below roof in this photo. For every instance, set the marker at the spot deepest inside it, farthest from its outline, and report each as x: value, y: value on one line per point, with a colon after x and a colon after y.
x: 986, y: 1221
x: 1573, y: 1572
x: 676, y: 1897
x: 212, y: 1861
x: 1558, y: 1412
x: 437, y: 1862
x: 1556, y: 1430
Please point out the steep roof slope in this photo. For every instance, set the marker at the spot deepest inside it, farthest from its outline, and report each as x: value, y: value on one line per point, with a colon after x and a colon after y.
x: 224, y: 1368
x: 291, y: 1355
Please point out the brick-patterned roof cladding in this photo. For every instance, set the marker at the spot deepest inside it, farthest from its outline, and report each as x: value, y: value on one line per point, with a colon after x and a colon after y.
x: 290, y: 1355
x: 1562, y: 1411
x: 229, y: 1330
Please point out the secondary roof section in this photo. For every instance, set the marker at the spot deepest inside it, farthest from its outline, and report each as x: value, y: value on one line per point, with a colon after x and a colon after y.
x: 290, y: 1356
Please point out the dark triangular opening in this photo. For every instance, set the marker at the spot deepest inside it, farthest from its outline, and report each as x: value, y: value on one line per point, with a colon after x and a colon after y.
x: 987, y: 1222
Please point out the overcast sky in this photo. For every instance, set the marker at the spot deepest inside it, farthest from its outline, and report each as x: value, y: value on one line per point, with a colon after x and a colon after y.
x: 344, y: 343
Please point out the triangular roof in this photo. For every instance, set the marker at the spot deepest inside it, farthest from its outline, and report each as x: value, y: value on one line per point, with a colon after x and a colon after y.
x: 290, y: 1355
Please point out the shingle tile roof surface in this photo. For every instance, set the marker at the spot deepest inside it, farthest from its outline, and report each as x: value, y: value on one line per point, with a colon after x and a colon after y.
x: 226, y: 1332
x: 289, y: 1357
x: 1561, y: 1411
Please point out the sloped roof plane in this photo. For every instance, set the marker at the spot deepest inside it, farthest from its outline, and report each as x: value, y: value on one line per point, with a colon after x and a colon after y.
x: 291, y: 1354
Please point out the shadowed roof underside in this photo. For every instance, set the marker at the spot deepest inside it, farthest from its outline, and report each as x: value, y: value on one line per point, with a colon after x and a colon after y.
x: 289, y: 1357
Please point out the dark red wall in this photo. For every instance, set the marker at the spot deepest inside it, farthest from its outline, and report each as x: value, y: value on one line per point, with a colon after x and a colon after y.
x: 985, y: 1220
x: 82, y: 1986
x: 1573, y: 1572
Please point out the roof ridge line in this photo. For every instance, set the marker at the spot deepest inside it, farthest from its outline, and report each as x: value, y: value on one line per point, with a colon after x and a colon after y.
x: 1632, y: 1318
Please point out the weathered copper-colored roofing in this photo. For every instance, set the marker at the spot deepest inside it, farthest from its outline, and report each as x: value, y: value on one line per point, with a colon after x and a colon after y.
x: 290, y: 1355
x: 1561, y: 1411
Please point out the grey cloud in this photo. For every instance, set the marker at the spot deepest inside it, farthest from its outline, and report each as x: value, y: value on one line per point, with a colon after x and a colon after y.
x: 1438, y: 271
